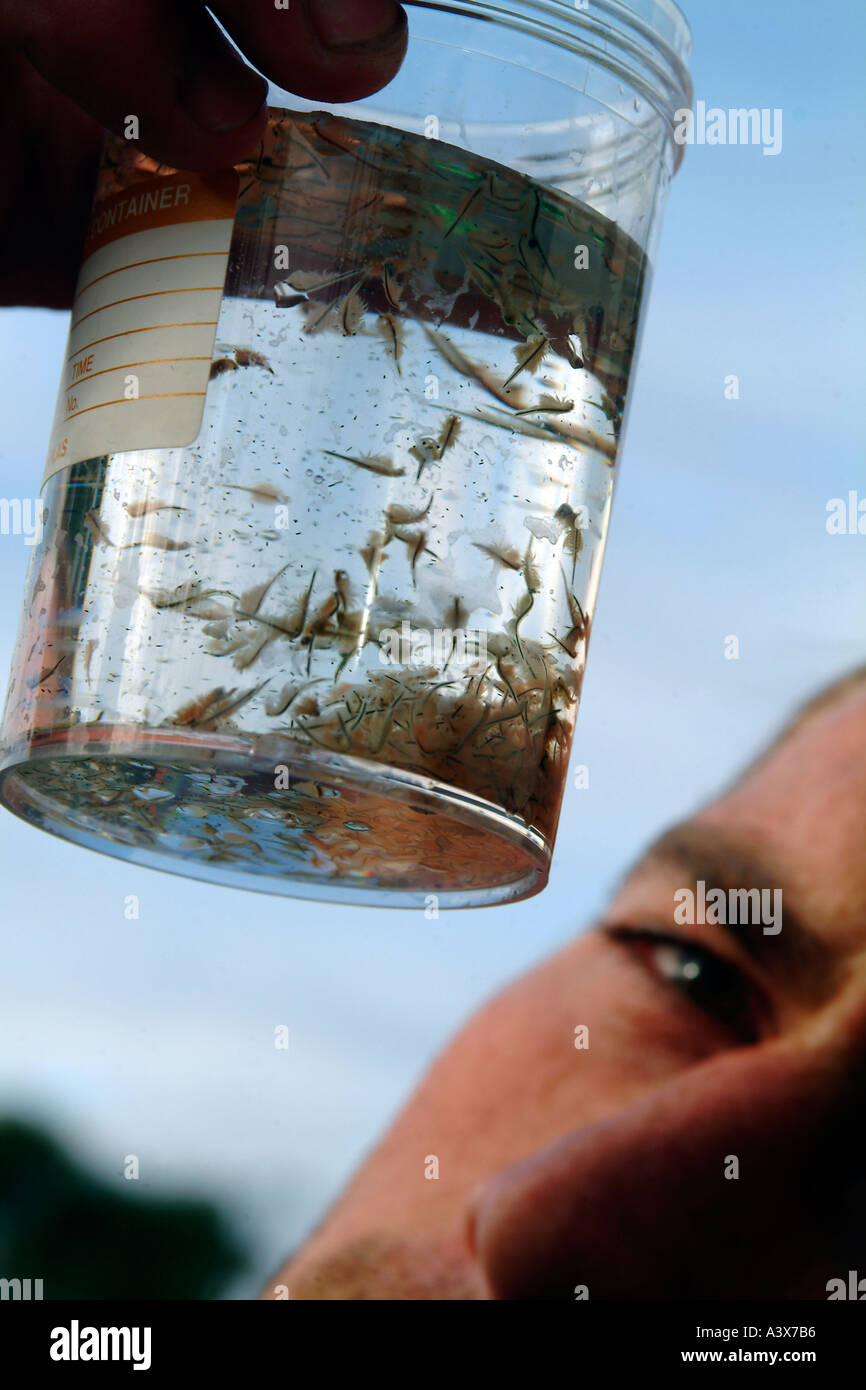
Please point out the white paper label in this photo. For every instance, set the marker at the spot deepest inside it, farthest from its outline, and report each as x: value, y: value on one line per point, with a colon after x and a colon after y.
x: 144, y: 319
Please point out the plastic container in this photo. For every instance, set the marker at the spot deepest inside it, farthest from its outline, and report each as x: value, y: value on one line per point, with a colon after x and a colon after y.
x: 330, y: 476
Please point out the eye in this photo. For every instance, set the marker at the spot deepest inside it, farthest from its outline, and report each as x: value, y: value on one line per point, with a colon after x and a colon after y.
x: 710, y: 983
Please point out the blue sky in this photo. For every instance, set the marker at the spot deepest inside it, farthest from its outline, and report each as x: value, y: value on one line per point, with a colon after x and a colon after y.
x: 155, y: 1037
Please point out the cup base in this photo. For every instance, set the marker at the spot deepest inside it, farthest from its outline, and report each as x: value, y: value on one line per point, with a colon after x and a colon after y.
x: 270, y: 815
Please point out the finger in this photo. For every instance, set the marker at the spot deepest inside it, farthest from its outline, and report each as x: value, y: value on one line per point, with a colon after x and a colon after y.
x: 197, y: 103
x: 51, y: 159
x: 640, y: 1206
x: 325, y: 50
x: 85, y: 61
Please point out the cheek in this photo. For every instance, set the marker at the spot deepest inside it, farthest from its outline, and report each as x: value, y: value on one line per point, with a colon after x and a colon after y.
x: 507, y: 1085
x: 577, y: 1040
x: 634, y: 1032
x: 513, y: 1082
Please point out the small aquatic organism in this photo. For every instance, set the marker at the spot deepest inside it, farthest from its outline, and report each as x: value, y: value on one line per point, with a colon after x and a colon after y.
x: 429, y: 449
x: 407, y: 516
x: 418, y: 546
x: 448, y: 434
x: 456, y: 615
x: 373, y: 553
x: 343, y: 588
x: 155, y: 540
x: 278, y: 704
x: 46, y: 673
x: 246, y: 357
x: 508, y: 557
x: 579, y: 620
x: 353, y: 311
x: 393, y: 333
x: 89, y: 649
x: 521, y: 610
x: 251, y: 601
x: 529, y: 355
x: 262, y: 492
x: 296, y: 617
x: 94, y: 526
x: 240, y: 357
x: 309, y: 280
x: 581, y: 435
x: 548, y: 405
x: 191, y: 713
x: 185, y: 596
x: 470, y: 369
x: 286, y: 298
x: 464, y: 208
x: 392, y: 289
x: 146, y: 507
x: 425, y: 450
x: 221, y: 365
x: 151, y: 539
x: 568, y: 520
x: 530, y: 571
x: 208, y: 611
x: 322, y: 618
x: 218, y: 704
x: 227, y: 646
x: 317, y: 313
x: 374, y: 463
x: 235, y: 702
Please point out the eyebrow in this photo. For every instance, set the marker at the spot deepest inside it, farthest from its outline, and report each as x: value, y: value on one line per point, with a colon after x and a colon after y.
x: 808, y: 965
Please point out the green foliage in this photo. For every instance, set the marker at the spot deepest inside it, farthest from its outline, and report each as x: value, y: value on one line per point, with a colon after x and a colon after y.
x: 86, y: 1238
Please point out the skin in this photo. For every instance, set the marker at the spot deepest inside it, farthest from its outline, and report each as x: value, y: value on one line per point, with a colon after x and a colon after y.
x: 601, y: 1167
x: 605, y: 1167
x: 68, y: 70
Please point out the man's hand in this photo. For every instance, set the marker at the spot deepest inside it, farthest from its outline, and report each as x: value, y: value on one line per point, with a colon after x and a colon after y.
x: 69, y: 70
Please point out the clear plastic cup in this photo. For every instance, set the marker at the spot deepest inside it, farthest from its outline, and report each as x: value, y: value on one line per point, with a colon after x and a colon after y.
x: 331, y: 471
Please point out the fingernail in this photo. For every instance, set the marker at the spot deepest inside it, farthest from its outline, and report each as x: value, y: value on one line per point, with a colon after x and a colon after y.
x: 342, y: 23
x: 222, y: 98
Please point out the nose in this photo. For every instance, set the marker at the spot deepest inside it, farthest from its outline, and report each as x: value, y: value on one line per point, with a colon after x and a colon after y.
x: 741, y: 1178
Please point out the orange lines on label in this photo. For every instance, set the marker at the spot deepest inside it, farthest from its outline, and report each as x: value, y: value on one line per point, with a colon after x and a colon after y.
x: 124, y: 366
x: 158, y: 396
x: 152, y: 294
x: 154, y: 260
x: 151, y: 328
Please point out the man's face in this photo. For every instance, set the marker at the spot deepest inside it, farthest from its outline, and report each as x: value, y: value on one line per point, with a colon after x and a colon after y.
x: 664, y: 1109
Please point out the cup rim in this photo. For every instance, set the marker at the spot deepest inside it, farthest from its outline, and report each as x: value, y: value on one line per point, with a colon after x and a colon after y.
x: 647, y: 43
